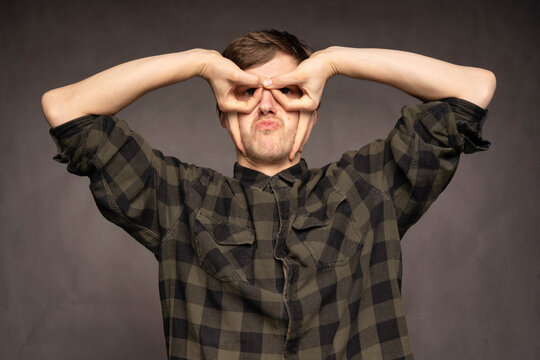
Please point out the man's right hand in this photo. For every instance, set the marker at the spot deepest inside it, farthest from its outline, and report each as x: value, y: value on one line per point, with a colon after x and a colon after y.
x: 229, y: 82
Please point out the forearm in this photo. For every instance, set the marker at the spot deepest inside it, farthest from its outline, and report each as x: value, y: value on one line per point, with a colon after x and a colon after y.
x: 109, y: 91
x: 420, y: 76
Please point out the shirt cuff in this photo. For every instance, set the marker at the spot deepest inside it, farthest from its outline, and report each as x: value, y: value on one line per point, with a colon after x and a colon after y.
x: 72, y: 127
x: 470, y: 119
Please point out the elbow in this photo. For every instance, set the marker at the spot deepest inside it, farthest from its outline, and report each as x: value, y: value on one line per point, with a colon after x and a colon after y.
x: 484, y: 89
x: 488, y: 87
x: 51, y: 105
x: 55, y: 106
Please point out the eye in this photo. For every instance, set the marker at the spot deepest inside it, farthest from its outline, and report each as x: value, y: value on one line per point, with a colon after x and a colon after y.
x: 250, y: 91
x: 285, y: 90
x: 292, y: 91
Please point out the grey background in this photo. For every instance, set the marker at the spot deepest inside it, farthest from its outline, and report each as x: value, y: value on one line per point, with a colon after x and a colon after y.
x: 74, y: 286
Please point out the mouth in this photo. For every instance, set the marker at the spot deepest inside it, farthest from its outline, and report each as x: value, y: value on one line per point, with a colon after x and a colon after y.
x: 267, y: 124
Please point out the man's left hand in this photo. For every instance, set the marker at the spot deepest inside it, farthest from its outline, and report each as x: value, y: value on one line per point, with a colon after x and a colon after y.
x: 310, y: 76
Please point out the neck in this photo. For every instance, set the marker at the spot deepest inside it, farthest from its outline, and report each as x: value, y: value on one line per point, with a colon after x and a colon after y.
x: 269, y: 169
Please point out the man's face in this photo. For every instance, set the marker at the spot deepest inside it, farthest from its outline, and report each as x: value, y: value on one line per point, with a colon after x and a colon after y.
x: 268, y: 131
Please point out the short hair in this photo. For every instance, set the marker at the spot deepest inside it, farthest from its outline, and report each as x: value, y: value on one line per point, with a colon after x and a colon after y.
x: 258, y: 47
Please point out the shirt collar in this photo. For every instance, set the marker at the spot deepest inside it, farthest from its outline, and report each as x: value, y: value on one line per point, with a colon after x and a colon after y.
x: 250, y: 177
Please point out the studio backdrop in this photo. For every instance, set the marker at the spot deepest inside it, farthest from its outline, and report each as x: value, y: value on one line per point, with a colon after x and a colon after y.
x: 73, y: 286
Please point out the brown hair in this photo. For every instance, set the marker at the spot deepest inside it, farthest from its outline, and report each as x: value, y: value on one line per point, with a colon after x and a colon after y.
x: 258, y: 47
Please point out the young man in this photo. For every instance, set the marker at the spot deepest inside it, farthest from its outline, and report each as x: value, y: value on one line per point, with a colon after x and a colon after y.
x: 280, y: 261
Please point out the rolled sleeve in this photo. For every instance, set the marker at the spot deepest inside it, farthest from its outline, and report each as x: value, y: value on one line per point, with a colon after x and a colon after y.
x: 420, y: 155
x: 124, y: 171
x: 451, y: 122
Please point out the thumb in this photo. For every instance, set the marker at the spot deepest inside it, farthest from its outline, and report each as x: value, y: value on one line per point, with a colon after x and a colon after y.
x: 244, y: 78
x: 281, y: 81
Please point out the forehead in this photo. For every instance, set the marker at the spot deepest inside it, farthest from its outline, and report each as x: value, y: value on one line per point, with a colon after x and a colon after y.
x: 281, y: 63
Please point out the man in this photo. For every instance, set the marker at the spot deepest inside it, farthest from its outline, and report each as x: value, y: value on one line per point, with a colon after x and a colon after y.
x: 280, y: 261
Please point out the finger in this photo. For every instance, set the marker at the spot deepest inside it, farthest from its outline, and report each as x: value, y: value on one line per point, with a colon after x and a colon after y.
x: 255, y: 99
x: 301, y: 130
x: 232, y: 103
x: 304, y: 103
x: 312, y: 120
x: 233, y: 127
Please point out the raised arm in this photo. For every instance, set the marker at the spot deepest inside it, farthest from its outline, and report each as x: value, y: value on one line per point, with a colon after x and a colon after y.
x: 109, y: 91
x: 420, y: 76
x: 420, y: 155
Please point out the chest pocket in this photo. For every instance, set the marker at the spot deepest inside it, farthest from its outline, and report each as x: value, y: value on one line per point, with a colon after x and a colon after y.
x: 223, y: 249
x: 328, y: 231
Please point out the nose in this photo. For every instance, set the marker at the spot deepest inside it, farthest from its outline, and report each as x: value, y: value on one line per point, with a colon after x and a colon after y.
x: 268, y: 103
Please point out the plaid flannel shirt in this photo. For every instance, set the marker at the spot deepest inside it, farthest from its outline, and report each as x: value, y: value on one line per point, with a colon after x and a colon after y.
x: 223, y: 243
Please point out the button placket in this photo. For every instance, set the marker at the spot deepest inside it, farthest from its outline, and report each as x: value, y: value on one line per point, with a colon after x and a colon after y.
x: 284, y: 199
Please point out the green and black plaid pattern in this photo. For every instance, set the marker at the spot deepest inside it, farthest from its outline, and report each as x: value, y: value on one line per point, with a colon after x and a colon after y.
x: 224, y: 244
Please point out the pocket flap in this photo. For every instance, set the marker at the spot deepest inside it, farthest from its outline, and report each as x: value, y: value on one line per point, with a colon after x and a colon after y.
x: 321, y: 213
x: 225, y: 233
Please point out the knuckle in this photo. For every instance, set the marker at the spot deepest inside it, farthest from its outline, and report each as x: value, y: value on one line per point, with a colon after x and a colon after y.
x: 225, y: 107
x: 235, y: 77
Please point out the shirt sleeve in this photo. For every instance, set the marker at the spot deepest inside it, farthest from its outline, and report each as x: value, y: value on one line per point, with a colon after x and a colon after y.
x: 133, y: 185
x: 420, y: 156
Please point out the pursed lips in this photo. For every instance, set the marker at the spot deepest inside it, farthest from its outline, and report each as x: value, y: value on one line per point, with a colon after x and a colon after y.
x: 267, y: 124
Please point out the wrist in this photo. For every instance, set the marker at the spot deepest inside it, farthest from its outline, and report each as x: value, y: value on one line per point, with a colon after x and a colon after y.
x: 359, y: 63
x: 204, y: 58
x: 330, y: 56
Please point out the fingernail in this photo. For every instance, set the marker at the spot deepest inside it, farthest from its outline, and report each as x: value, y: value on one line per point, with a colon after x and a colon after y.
x: 267, y: 82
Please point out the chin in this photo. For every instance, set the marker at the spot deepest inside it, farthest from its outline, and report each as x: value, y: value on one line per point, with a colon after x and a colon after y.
x: 268, y: 158
x: 273, y: 156
x: 269, y: 152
